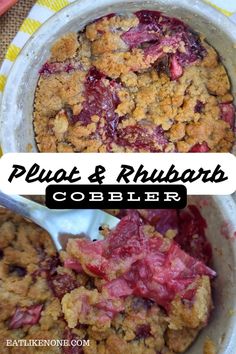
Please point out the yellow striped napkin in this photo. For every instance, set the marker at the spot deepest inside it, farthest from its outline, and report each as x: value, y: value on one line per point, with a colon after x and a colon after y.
x: 41, y: 11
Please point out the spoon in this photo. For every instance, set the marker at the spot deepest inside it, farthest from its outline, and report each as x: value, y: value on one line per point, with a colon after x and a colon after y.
x: 61, y: 224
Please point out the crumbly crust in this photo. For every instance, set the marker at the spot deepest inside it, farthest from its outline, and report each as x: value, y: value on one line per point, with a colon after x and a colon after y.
x: 28, y: 268
x: 147, y: 96
x: 23, y: 246
x: 65, y: 48
x: 209, y: 347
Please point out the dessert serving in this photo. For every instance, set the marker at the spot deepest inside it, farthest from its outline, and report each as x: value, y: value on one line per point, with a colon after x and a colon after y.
x: 142, y: 82
x: 145, y: 288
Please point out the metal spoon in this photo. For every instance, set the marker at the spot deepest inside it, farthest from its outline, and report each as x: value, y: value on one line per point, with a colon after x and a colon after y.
x: 61, y: 224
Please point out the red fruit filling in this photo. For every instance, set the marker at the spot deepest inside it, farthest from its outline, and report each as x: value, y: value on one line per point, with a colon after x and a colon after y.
x: 191, y: 234
x: 100, y: 99
x: 156, y: 51
x: 199, y: 107
x: 162, y: 31
x: 162, y: 220
x: 200, y: 148
x: 132, y: 263
x: 228, y: 113
x: 161, y: 275
x: 139, y: 137
x: 159, y: 22
x: 74, y: 265
x: 109, y: 308
x: 94, y: 307
x: 56, y: 68
x: 193, y: 49
x: 143, y: 331
x: 141, y: 34
x: 188, y: 224
x: 62, y: 284
x: 48, y: 266
x: 176, y: 70
x: 59, y: 283
x: 25, y: 316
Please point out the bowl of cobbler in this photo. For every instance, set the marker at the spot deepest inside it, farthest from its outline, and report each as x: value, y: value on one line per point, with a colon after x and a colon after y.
x: 133, y: 76
x: 161, y: 281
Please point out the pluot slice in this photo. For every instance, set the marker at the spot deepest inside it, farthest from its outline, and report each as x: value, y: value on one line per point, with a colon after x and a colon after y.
x: 25, y: 316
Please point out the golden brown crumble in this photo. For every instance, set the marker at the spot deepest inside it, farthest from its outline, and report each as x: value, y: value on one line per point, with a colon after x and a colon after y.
x: 65, y: 48
x: 195, y: 316
x: 187, y: 109
x: 209, y: 347
x: 28, y: 264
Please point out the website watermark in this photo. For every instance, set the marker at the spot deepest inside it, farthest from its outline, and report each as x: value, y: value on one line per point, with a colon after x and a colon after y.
x: 47, y: 343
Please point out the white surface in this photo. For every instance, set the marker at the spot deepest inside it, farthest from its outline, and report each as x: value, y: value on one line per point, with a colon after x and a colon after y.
x: 86, y: 164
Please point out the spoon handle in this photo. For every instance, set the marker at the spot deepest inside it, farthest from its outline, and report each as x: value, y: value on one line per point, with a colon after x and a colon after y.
x: 24, y: 207
x: 61, y: 224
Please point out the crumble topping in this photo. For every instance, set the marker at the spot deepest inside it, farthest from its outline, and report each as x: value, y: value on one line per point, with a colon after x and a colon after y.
x: 135, y: 83
x: 209, y: 347
x: 65, y: 48
x: 71, y: 296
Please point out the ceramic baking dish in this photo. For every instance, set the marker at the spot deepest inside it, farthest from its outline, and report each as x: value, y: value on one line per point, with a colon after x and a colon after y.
x: 17, y: 133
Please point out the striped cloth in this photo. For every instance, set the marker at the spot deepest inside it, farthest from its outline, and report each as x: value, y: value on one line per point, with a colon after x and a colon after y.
x: 40, y: 12
x: 43, y: 9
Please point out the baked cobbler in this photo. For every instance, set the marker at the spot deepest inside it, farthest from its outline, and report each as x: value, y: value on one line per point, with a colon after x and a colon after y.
x: 134, y: 83
x: 144, y: 289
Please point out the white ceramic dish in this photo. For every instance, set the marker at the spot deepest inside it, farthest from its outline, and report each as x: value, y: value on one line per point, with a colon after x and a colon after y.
x: 220, y: 214
x: 17, y: 133
x: 17, y: 130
